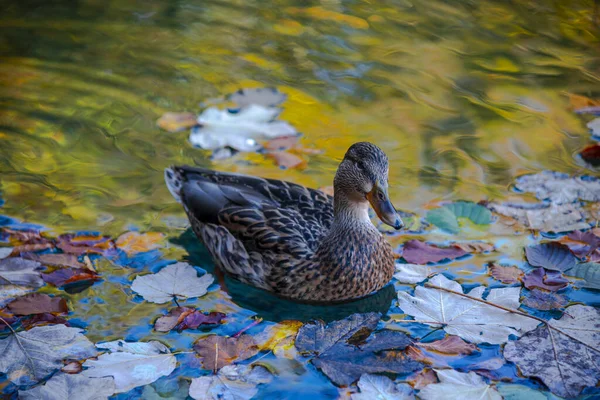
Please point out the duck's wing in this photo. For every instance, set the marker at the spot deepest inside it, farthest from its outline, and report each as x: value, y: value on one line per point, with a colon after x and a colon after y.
x: 250, y: 220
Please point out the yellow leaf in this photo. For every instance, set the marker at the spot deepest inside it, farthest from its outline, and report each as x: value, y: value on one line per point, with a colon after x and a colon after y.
x: 135, y: 242
x: 175, y: 122
x: 279, y: 338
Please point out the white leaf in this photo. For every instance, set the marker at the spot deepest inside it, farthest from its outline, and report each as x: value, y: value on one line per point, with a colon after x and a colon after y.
x: 412, y: 273
x: 232, y: 382
x: 9, y: 292
x: 472, y: 320
x: 545, y: 217
x: 32, y: 355
x: 379, y: 387
x: 178, y: 280
x: 521, y: 392
x: 64, y: 386
x: 594, y: 126
x: 19, y: 271
x: 239, y: 130
x: 131, y: 364
x: 455, y: 385
x: 560, y: 188
x: 5, y: 252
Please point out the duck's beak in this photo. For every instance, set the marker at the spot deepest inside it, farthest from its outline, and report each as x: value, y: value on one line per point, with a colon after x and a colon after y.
x: 380, y: 201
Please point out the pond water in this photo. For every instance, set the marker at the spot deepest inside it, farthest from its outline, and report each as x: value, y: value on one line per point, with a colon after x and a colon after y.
x: 463, y: 96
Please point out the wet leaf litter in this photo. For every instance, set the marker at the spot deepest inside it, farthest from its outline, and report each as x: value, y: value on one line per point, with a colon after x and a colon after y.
x: 365, y: 353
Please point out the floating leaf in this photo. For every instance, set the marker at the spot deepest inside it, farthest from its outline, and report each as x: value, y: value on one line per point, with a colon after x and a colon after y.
x: 65, y: 276
x: 287, y: 160
x: 545, y: 217
x: 466, y: 209
x: 554, y: 256
x: 585, y: 245
x: 588, y: 272
x: 543, y: 300
x: 475, y: 247
x: 505, y: 274
x: 219, y: 351
x: 279, y: 338
x: 521, y: 392
x: 382, y: 388
x: 459, y: 386
x: 450, y: 345
x: 18, y: 271
x: 266, y: 97
x: 131, y: 364
x: 65, y: 386
x: 176, y: 122
x: 591, y: 155
x: 5, y: 252
x: 560, y: 188
x: 412, y: 273
x: 54, y: 259
x: 547, y: 280
x: 135, y: 242
x: 472, y: 320
x: 30, y: 356
x: 182, y: 318
x: 422, y: 378
x: 557, y: 359
x: 84, y: 243
x: 281, y: 143
x: 444, y: 219
x: 594, y: 126
x: 178, y: 280
x: 418, y: 252
x: 235, y: 382
x: 37, y: 303
x: 578, y: 102
x: 42, y: 319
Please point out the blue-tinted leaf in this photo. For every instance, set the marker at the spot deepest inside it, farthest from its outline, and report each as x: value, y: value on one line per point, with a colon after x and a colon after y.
x: 443, y: 218
x: 467, y: 209
x: 589, y: 272
x: 554, y: 256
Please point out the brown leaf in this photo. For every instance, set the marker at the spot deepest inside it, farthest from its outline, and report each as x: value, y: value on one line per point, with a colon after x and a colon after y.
x: 450, y: 345
x: 55, y: 260
x: 73, y: 367
x: 417, y: 252
x: 37, y: 303
x: 475, y: 247
x: 422, y: 378
x: 287, y: 160
x: 591, y: 155
x: 26, y: 248
x: 219, y: 351
x: 84, y: 244
x: 186, y: 318
x: 26, y: 236
x: 42, y: 319
x: 507, y: 275
x: 176, y: 122
x: 282, y: 143
x: 65, y: 276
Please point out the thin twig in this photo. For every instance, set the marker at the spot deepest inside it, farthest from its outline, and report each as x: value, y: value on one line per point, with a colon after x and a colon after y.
x: 21, y: 346
x: 253, y: 324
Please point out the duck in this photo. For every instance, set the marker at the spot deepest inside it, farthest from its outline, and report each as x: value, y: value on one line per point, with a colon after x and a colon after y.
x: 298, y: 243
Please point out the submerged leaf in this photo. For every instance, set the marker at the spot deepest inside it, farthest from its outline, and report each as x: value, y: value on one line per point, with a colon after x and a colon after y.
x: 450, y: 345
x: 591, y: 155
x: 466, y: 209
x: 266, y: 97
x: 382, y: 388
x: 560, y: 188
x: 422, y: 378
x: 178, y: 280
x: 543, y: 300
x: 557, y: 359
x: 287, y: 160
x: 467, y: 318
x: 418, y: 252
x: 505, y: 274
x: 412, y: 273
x: 135, y: 242
x: 65, y: 386
x: 5, y: 252
x: 234, y: 382
x: 588, y: 272
x: 456, y: 385
x: 65, y: 276
x: 522, y: 392
x: 547, y: 280
x: 18, y: 271
x: 554, y: 256
x: 30, y: 356
x: 55, y: 259
x: 37, y: 303
x: 131, y: 364
x: 176, y: 122
x: 545, y: 217
x: 443, y: 218
x: 186, y: 318
x: 219, y: 351
x: 475, y: 247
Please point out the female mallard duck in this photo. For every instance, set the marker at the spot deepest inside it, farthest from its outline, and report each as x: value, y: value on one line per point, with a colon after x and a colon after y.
x: 296, y: 242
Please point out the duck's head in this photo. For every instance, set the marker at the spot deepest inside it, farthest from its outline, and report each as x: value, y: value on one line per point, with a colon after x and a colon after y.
x: 363, y: 177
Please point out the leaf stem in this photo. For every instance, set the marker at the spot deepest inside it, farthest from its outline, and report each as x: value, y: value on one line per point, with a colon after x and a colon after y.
x: 21, y: 346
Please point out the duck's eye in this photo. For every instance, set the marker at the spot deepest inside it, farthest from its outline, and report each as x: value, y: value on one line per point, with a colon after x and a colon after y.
x: 381, y: 196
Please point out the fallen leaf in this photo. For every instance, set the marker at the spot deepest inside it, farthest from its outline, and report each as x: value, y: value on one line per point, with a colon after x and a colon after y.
x: 42, y: 319
x: 135, y: 242
x: 412, y: 273
x: 219, y: 351
x: 594, y: 126
x: 18, y: 271
x: 591, y: 155
x: 176, y: 122
x: 279, y: 338
x: 5, y: 252
x: 443, y: 218
x: 466, y: 209
x: 131, y: 364
x: 459, y: 386
x: 266, y: 97
x: 560, y: 188
x: 54, y: 259
x: 471, y: 320
x: 450, y: 345
x: 235, y: 382
x: 544, y: 217
x: 381, y: 388
x: 589, y: 273
x: 553, y: 256
x: 418, y: 252
x: 28, y: 248
x: 475, y: 247
x: 26, y: 236
x: 578, y: 101
x: 505, y: 274
x: 73, y: 367
x: 422, y: 378
x: 178, y: 280
x: 37, y: 303
x: 547, y: 280
x: 282, y: 143
x: 544, y: 300
x: 522, y: 392
x: 183, y: 318
x: 585, y: 245
x: 65, y: 386
x: 287, y: 160
x: 66, y: 276
x: 84, y: 243
x: 21, y: 360
x: 9, y: 292
x: 558, y: 360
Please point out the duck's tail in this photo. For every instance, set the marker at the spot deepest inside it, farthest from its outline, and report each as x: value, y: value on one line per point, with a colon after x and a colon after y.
x: 174, y: 182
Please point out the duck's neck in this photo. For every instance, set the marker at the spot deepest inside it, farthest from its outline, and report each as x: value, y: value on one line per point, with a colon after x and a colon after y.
x: 349, y: 212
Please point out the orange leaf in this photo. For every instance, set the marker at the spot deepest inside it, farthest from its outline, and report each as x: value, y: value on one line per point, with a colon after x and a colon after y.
x: 175, y: 122
x: 135, y: 242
